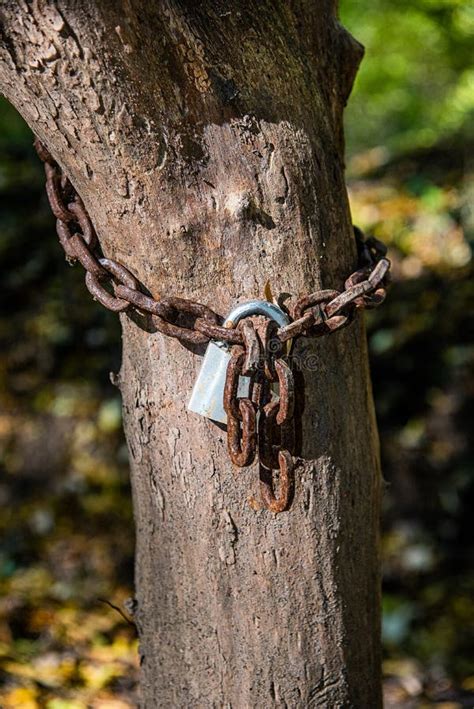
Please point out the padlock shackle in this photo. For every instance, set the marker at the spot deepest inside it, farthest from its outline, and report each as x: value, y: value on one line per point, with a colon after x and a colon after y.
x: 257, y: 307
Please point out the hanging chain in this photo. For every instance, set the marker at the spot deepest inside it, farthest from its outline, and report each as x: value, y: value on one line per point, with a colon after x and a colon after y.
x: 261, y: 424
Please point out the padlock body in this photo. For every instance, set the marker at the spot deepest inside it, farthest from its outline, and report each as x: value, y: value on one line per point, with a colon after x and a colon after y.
x: 207, y: 398
x: 207, y: 395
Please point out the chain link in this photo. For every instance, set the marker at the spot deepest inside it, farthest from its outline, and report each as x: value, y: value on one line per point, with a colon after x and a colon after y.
x: 241, y: 414
x: 260, y: 423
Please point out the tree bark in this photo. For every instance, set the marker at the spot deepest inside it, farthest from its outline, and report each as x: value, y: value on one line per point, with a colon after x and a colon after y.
x: 205, y: 139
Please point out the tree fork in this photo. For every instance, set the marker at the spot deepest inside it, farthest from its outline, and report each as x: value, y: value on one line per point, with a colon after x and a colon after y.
x: 206, y: 142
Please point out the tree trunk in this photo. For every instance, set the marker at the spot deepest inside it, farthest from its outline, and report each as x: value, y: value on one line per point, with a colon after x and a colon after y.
x: 205, y: 140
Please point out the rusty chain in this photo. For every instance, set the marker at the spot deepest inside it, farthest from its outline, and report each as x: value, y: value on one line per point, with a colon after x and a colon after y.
x: 319, y: 313
x: 261, y: 424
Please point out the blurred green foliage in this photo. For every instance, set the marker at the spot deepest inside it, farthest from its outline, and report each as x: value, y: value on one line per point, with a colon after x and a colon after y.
x: 415, y: 86
x: 67, y: 530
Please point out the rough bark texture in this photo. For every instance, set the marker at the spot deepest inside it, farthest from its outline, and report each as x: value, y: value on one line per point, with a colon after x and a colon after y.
x: 205, y: 140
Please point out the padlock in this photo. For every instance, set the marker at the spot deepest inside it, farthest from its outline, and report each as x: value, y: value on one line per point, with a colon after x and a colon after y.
x: 208, y: 391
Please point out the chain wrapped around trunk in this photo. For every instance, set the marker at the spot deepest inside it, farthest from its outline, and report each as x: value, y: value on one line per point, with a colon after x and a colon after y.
x: 261, y: 424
